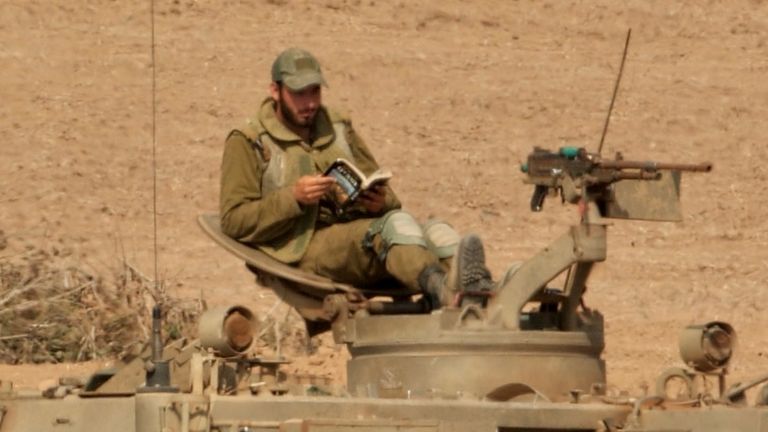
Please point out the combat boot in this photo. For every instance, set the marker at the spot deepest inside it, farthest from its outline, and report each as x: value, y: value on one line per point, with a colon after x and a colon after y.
x: 432, y: 283
x: 469, y: 279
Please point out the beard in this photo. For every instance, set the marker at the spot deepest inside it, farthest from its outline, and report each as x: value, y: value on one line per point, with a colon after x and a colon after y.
x: 293, y: 118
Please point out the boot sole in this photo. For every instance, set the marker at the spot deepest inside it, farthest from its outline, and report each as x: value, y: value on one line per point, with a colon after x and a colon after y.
x: 472, y: 272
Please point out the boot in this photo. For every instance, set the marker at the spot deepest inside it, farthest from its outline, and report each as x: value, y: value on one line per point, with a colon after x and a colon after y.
x: 469, y: 278
x: 432, y: 283
x: 468, y: 281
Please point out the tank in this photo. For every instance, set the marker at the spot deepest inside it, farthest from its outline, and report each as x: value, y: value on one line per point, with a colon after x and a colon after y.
x: 528, y: 357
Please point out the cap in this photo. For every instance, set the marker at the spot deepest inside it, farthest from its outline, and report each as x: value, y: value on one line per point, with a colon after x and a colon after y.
x: 297, y: 69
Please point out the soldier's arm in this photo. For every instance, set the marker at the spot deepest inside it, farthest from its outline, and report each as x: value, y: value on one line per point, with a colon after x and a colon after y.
x: 365, y: 161
x: 246, y: 214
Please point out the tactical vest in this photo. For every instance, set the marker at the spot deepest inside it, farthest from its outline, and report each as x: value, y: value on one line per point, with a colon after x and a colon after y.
x: 284, y: 162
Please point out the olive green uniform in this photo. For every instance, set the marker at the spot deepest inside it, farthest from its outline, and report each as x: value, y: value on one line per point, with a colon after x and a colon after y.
x: 260, y: 165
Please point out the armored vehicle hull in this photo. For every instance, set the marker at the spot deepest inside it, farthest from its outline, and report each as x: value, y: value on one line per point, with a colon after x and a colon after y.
x: 525, y: 359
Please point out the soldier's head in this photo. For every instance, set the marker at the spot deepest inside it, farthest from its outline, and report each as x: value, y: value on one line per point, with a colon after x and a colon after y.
x: 296, y: 81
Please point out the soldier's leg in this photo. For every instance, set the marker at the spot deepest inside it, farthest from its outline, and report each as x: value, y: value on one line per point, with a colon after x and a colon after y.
x: 336, y: 252
x: 400, y: 242
x: 407, y: 262
x: 366, y: 251
x: 442, y: 240
x: 445, y: 284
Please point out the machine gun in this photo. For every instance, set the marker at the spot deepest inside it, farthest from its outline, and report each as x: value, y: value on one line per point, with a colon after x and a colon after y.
x: 602, y: 188
x: 578, y: 175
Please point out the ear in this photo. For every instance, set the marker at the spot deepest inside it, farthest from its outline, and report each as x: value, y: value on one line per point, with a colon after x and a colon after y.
x: 274, y: 90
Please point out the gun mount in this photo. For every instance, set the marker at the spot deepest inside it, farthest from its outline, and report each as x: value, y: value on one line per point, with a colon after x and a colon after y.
x: 576, y: 175
x: 603, y: 189
x: 528, y: 360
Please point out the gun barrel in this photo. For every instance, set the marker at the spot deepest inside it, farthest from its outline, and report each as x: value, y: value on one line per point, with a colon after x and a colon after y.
x: 641, y: 175
x: 654, y: 166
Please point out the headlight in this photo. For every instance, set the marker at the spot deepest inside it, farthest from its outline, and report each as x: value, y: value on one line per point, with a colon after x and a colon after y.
x: 707, y: 347
x: 229, y: 331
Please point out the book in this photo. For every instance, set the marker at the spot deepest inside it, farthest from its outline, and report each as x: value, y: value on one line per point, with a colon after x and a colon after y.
x: 351, y: 182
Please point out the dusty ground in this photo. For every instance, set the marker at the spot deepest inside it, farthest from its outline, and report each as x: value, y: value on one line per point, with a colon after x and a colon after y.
x: 450, y: 94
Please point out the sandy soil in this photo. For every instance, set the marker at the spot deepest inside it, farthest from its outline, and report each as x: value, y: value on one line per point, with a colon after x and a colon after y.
x: 450, y: 94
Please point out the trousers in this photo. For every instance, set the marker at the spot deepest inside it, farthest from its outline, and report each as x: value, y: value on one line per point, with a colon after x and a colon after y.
x: 338, y: 252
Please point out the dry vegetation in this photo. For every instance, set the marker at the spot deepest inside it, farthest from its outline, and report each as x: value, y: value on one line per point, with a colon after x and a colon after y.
x: 54, y: 308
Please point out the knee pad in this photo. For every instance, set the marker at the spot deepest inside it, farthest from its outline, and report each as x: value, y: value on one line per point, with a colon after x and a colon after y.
x: 395, y: 228
x: 442, y: 240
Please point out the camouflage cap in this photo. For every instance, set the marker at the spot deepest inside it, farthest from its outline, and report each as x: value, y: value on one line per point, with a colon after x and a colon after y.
x: 297, y: 69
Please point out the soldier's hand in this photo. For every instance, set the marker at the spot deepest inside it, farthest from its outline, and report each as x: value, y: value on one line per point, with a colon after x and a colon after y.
x: 309, y: 189
x: 373, y: 200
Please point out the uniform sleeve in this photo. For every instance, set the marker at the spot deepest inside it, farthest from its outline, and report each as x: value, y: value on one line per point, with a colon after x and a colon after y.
x: 246, y: 214
x: 367, y: 163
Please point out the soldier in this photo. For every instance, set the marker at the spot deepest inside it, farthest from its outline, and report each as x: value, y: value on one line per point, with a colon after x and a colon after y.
x: 272, y: 191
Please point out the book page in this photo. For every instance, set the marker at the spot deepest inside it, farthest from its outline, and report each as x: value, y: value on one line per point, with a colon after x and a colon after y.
x: 379, y: 177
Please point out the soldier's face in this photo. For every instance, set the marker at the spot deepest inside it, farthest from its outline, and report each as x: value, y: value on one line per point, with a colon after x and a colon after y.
x: 298, y: 108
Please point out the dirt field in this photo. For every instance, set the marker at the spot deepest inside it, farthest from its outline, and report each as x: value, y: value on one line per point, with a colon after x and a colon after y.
x: 450, y: 94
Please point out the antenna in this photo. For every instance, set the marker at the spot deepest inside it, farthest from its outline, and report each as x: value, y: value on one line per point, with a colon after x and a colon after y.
x: 158, y: 375
x: 615, y: 91
x: 154, y: 148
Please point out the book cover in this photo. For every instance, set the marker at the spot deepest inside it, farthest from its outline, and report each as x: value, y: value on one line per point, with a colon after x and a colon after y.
x: 351, y: 182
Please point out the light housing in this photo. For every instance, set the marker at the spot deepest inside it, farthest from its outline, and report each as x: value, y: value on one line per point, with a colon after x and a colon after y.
x: 707, y: 347
x: 228, y: 331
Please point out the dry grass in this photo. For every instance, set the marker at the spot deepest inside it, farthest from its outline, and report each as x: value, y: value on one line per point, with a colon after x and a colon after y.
x: 53, y: 308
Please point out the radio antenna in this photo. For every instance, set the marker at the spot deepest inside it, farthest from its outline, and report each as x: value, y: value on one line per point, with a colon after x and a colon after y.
x: 615, y: 91
x: 157, y: 370
x: 154, y: 151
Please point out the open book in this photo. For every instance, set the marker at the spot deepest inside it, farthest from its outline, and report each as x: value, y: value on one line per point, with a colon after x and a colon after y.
x: 351, y: 182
